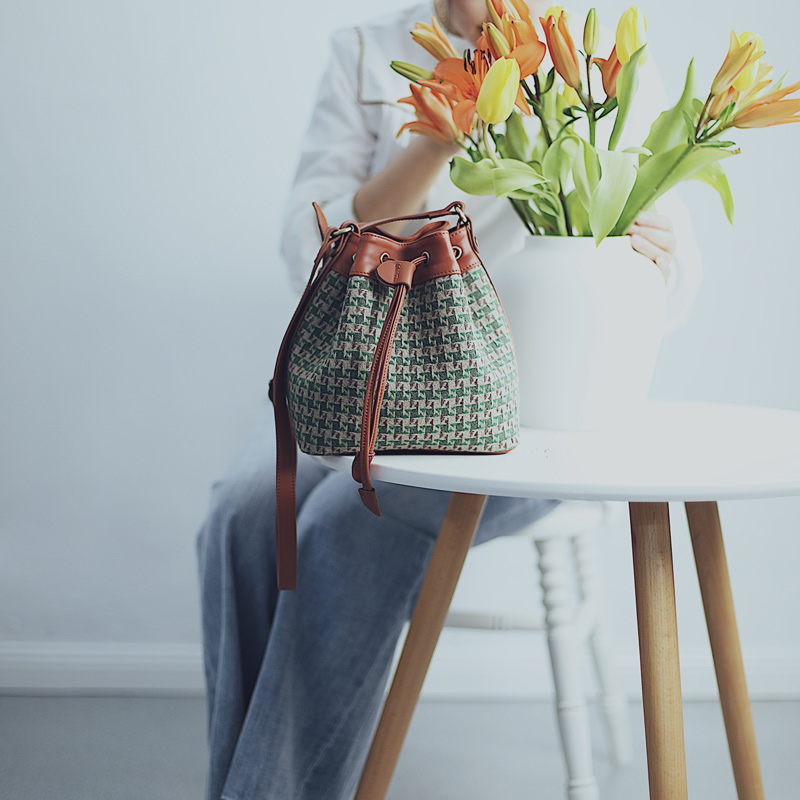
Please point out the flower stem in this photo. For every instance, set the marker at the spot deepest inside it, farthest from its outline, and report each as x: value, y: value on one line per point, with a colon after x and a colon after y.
x: 590, y: 104
x: 489, y: 147
x: 536, y: 104
x: 702, y: 115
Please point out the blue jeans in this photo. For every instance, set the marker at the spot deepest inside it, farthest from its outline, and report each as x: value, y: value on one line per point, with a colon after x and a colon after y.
x: 295, y: 679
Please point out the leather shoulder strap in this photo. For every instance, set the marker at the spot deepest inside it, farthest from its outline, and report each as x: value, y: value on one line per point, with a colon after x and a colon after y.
x: 286, y: 445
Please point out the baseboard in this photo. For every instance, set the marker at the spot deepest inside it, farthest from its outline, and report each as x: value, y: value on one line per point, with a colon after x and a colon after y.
x: 512, y: 666
x: 518, y: 666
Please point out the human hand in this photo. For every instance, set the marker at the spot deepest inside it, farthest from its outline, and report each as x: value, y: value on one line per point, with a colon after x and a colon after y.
x: 652, y: 236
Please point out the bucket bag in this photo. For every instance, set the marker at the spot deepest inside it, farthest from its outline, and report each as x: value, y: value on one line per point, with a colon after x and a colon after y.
x: 398, y: 344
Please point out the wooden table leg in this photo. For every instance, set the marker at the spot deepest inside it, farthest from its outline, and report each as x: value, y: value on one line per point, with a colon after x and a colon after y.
x: 658, y: 648
x: 715, y: 586
x: 451, y: 548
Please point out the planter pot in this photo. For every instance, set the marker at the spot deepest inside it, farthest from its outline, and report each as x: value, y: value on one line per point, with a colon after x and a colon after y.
x: 587, y: 323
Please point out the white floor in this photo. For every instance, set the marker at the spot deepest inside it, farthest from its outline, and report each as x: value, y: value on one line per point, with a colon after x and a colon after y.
x: 73, y: 748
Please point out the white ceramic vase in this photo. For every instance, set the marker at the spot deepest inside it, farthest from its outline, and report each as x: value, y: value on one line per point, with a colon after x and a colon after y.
x: 587, y: 323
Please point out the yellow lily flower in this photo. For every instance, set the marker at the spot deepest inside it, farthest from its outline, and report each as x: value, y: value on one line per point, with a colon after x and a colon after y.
x: 631, y: 35
x: 498, y: 92
x: 747, y: 76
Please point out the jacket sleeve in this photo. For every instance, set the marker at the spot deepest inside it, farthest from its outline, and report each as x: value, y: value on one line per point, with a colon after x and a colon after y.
x: 335, y: 158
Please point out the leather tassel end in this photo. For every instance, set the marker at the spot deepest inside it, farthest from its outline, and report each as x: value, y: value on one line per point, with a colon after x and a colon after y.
x: 370, y: 500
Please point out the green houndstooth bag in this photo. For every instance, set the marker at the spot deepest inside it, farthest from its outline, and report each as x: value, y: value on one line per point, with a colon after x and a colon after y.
x: 398, y: 344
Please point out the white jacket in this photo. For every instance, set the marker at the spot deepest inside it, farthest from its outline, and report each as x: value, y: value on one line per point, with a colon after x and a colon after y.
x: 352, y: 136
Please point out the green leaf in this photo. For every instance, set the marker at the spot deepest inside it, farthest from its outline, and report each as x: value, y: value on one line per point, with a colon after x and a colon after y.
x: 550, y: 80
x: 472, y: 177
x: 713, y: 175
x: 578, y: 215
x: 586, y: 173
x: 617, y: 178
x: 671, y: 128
x: 627, y: 84
x: 659, y: 173
x: 517, y: 143
x: 513, y: 175
x: 640, y: 150
x: 559, y: 158
x: 484, y: 178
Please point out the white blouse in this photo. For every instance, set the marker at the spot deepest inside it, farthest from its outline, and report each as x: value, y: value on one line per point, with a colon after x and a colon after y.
x: 352, y: 136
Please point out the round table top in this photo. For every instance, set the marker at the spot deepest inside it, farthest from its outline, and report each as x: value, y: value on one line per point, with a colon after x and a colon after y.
x: 671, y: 451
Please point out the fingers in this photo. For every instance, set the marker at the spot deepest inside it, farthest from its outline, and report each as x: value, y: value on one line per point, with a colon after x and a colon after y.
x: 657, y: 229
x: 652, y: 236
x: 661, y: 258
x: 652, y: 219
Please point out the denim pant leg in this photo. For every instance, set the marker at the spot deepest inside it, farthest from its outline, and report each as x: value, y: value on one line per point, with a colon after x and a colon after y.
x: 296, y: 678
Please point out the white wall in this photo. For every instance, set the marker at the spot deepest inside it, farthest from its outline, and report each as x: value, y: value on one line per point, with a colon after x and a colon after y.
x: 145, y: 151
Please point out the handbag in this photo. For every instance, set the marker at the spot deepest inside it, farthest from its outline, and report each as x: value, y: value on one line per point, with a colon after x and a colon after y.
x: 397, y: 344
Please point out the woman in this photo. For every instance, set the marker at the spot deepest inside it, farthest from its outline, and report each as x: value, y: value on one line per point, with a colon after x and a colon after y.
x: 295, y: 679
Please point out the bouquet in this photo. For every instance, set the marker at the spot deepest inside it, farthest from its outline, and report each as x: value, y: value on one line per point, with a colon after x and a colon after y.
x: 567, y: 179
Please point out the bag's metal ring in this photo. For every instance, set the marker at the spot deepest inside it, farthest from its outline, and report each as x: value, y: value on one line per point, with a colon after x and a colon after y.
x: 427, y: 256
x: 384, y: 256
x: 460, y: 211
x: 346, y: 229
x: 457, y: 251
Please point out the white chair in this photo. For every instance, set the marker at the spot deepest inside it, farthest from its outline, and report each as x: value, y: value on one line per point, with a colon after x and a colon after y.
x: 566, y: 541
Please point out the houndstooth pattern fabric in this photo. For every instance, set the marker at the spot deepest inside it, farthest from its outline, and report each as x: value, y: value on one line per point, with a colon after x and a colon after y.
x: 452, y: 382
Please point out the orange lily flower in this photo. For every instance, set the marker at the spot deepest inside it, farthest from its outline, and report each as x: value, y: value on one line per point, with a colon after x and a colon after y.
x: 609, y: 68
x: 562, y: 49
x: 529, y: 53
x: 434, y: 40
x: 770, y: 109
x: 434, y: 115
x: 460, y: 80
x: 739, y: 57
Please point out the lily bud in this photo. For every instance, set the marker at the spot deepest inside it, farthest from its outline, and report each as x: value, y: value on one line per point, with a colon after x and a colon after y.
x: 495, y: 13
x: 411, y: 72
x: 720, y: 102
x: 434, y: 40
x: 631, y: 35
x: 498, y: 91
x: 498, y: 43
x: 740, y: 56
x: 591, y: 33
x: 561, y: 47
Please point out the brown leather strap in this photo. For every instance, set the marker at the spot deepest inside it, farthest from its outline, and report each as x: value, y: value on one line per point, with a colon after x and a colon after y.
x: 456, y: 208
x: 286, y: 445
x: 399, y: 274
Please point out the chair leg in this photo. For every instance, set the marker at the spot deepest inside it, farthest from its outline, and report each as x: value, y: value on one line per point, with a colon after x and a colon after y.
x: 715, y: 586
x: 613, y: 702
x: 658, y: 647
x: 565, y: 658
x: 451, y: 548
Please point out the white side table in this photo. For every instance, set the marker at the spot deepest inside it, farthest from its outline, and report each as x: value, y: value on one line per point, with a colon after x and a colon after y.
x: 694, y: 453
